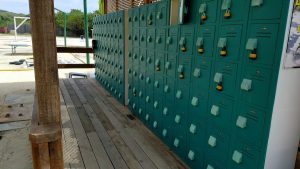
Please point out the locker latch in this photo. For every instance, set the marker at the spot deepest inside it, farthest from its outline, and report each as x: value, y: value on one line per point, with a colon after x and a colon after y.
x: 226, y: 6
x: 157, y: 65
x: 252, y: 46
x: 182, y: 44
x: 200, y: 46
x: 149, y: 20
x: 202, y: 12
x: 218, y: 79
x: 180, y: 71
x: 222, y: 44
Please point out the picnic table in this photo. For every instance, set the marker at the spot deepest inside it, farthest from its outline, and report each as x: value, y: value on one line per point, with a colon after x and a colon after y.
x: 14, y: 46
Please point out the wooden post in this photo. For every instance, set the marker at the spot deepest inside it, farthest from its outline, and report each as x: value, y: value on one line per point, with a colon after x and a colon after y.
x: 45, y: 134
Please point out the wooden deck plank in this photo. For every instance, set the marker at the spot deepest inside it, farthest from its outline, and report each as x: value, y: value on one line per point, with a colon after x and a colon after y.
x: 125, y: 151
x: 144, y: 160
x: 78, y: 101
x: 86, y: 151
x: 138, y: 126
x: 101, y: 156
x: 110, y: 148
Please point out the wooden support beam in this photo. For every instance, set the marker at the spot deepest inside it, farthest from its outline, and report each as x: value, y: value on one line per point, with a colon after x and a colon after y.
x: 71, y: 66
x: 45, y: 134
x: 74, y: 50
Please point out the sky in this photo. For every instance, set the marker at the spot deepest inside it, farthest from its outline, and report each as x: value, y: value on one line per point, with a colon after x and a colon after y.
x: 22, y: 6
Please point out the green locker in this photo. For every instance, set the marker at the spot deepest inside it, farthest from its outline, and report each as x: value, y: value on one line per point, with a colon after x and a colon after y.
x: 220, y: 112
x: 162, y: 14
x: 143, y: 16
x: 159, y: 64
x: 170, y: 65
x: 151, y: 38
x: 184, y: 69
x: 205, y: 41
x: 198, y: 103
x: 135, y: 57
x: 249, y: 122
x: 255, y: 86
x: 150, y: 60
x: 151, y: 15
x: 195, y: 145
x: 172, y: 39
x: 136, y: 17
x: 261, y: 44
x: 200, y: 74
x: 136, y: 37
x: 207, y: 12
x: 143, y: 38
x: 217, y: 144
x: 186, y: 40
x: 160, y: 39
x: 243, y: 156
x: 143, y: 60
x: 266, y: 9
x: 224, y: 78
x: 228, y: 43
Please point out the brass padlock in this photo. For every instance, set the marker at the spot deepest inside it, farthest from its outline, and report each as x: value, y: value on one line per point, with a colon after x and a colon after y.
x: 253, y: 55
x: 157, y: 68
x: 200, y: 49
x: 223, y: 51
x: 219, y: 86
x: 183, y: 48
x: 203, y: 17
x: 227, y: 14
x: 181, y: 76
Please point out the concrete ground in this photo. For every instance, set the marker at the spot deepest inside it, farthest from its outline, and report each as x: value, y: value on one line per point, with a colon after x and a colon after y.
x: 17, y: 89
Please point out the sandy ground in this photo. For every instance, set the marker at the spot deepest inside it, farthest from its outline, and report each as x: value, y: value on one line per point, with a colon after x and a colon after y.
x: 17, y: 89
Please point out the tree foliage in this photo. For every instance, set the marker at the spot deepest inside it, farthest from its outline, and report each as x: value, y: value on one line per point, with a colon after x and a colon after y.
x: 75, y: 21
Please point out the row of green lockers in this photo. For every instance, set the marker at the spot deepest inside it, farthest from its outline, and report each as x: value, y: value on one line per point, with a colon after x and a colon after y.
x: 206, y: 87
x: 109, y: 53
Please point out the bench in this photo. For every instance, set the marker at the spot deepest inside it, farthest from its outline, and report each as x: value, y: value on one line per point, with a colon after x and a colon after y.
x: 14, y: 46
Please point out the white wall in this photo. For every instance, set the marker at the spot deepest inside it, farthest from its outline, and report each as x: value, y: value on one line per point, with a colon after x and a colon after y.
x: 285, y: 127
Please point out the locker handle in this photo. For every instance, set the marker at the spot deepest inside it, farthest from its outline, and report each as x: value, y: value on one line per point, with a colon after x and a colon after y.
x: 142, y: 17
x: 168, y: 65
x: 218, y: 77
x: 256, y: 3
x: 246, y: 84
x: 177, y: 119
x: 195, y: 101
x: 226, y: 4
x: 193, y: 128
x: 149, y: 39
x: 147, y: 99
x: 155, y: 105
x: 237, y: 157
x: 200, y: 45
x: 178, y: 94
x: 197, y: 73
x: 166, y: 89
x: 215, y: 110
x: 169, y: 40
x: 155, y: 124
x: 165, y: 111
x: 140, y: 111
x: 156, y: 84
x: 252, y: 46
x: 241, y: 122
x: 176, y: 142
x: 164, y: 132
x: 159, y: 15
x: 147, y: 117
x: 203, y: 8
x: 158, y: 40
x: 212, y: 141
x: 209, y: 167
x: 182, y: 44
x: 191, y: 155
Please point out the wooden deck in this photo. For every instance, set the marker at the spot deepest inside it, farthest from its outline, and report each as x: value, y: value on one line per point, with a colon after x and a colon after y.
x: 98, y: 134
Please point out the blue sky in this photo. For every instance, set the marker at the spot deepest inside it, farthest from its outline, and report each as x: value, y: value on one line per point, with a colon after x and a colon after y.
x: 21, y: 6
